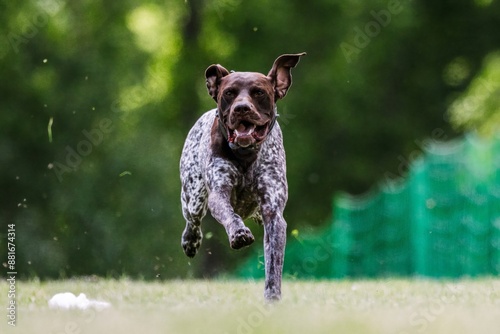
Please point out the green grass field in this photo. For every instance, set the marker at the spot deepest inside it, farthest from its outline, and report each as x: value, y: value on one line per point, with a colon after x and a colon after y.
x: 379, y: 306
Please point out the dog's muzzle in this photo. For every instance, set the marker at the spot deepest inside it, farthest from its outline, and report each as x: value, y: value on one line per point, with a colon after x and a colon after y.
x: 246, y: 135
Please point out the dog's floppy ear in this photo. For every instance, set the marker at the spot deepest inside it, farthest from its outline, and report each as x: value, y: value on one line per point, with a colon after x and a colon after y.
x: 280, y: 74
x: 214, y: 74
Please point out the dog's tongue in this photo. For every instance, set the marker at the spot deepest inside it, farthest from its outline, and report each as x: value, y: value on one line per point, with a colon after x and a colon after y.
x: 244, y: 129
x: 243, y: 134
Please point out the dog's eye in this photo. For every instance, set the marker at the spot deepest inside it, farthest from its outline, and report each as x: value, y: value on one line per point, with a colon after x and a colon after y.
x: 258, y: 93
x: 229, y: 93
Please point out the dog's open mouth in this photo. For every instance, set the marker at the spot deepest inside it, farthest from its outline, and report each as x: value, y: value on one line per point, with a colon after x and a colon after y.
x: 247, y: 133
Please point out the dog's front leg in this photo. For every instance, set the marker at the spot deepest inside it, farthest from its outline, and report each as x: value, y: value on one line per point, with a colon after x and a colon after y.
x: 274, y: 252
x: 273, y: 196
x: 222, y: 177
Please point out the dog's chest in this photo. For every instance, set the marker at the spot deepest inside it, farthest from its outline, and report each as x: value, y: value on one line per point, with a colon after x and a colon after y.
x: 244, y: 198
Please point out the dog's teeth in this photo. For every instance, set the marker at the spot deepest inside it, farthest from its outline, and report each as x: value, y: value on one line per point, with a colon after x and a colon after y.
x: 243, y: 132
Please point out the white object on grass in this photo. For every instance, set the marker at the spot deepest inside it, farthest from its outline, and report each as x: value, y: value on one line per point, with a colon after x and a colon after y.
x: 67, y: 301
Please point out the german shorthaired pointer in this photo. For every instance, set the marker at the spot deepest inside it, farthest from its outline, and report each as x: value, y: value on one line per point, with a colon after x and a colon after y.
x: 233, y: 161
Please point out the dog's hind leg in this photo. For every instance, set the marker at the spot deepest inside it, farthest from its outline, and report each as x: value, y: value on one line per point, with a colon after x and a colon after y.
x: 194, y: 208
x: 193, y: 193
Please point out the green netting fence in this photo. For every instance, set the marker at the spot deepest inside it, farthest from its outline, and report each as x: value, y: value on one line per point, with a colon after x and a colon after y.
x: 442, y: 220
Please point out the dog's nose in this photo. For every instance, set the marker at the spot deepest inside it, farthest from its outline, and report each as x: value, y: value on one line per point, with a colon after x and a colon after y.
x: 241, y: 107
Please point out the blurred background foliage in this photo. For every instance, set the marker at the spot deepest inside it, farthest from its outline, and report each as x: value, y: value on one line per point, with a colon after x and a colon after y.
x: 97, y: 98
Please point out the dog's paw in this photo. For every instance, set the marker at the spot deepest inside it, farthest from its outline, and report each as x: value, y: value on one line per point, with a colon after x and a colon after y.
x: 241, y: 237
x: 191, y: 240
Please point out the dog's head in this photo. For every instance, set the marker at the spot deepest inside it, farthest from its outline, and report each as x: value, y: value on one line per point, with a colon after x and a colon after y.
x: 246, y: 101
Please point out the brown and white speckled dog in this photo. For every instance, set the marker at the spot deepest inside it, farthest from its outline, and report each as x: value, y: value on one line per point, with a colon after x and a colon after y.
x: 233, y: 161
